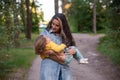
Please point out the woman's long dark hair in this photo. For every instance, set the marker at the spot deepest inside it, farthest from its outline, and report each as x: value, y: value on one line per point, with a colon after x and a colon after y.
x: 68, y: 38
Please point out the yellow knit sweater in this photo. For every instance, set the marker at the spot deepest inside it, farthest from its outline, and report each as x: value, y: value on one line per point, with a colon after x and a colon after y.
x: 53, y: 46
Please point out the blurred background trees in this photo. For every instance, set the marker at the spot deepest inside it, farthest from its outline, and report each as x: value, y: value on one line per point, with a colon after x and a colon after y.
x: 82, y: 11
x: 84, y: 16
x: 18, y: 16
x: 23, y: 16
x: 94, y: 16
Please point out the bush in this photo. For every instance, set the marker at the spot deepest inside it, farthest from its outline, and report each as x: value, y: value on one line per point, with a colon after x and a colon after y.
x: 107, y: 48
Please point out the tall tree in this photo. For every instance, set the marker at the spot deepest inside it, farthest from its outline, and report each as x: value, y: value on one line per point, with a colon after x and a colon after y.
x: 16, y: 23
x: 29, y: 20
x: 94, y: 16
x: 56, y: 6
x: 23, y: 14
x: 63, y: 6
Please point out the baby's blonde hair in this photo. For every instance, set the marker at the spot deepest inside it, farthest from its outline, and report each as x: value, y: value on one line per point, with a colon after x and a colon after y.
x: 40, y: 44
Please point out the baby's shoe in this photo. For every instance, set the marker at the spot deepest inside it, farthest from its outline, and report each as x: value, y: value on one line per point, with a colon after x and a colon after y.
x: 83, y: 61
x: 86, y: 59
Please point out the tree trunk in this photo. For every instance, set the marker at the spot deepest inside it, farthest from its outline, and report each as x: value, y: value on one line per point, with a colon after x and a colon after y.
x: 56, y: 6
x: 63, y: 5
x: 23, y: 16
x: 29, y: 20
x: 94, y: 17
x: 16, y: 23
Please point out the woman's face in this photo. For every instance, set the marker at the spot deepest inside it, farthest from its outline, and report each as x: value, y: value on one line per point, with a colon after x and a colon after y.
x: 55, y: 26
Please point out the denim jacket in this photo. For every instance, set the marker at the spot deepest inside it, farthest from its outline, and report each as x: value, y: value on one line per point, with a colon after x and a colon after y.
x: 52, y: 70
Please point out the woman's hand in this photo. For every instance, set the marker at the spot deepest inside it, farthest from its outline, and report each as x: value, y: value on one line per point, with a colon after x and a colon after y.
x: 71, y: 51
x: 49, y: 52
x: 55, y: 56
x: 59, y: 59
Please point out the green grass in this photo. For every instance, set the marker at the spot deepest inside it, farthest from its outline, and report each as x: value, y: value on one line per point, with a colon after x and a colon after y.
x: 25, y: 42
x: 106, y: 48
x: 17, y: 58
x: 21, y: 57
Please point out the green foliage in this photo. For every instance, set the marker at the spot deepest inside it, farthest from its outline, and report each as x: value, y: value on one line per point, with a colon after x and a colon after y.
x: 115, y: 36
x: 73, y: 25
x: 35, y: 22
x: 110, y: 44
x: 3, y: 38
x: 11, y: 25
x: 25, y: 42
x: 81, y: 13
x: 106, y: 47
x: 114, y: 28
x: 37, y: 17
x: 15, y: 58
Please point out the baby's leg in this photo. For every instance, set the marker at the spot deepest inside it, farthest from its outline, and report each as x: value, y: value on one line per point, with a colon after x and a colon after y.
x: 65, y: 56
x: 68, y: 58
x: 78, y: 54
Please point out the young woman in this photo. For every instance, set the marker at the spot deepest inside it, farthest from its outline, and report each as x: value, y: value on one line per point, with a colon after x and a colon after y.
x: 59, y: 32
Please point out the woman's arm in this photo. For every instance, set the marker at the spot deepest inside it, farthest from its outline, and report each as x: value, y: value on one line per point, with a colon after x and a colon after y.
x: 59, y: 58
x: 56, y: 56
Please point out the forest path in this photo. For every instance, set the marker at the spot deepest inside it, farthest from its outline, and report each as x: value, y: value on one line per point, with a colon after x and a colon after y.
x: 99, y: 67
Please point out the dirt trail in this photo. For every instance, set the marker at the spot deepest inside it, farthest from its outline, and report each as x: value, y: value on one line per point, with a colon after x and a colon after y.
x: 99, y: 67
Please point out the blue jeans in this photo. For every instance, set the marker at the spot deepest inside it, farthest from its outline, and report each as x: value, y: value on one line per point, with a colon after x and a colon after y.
x: 77, y: 55
x: 51, y: 70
